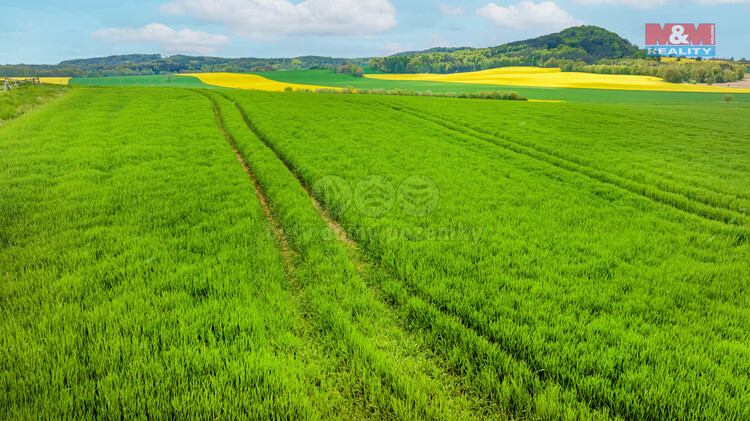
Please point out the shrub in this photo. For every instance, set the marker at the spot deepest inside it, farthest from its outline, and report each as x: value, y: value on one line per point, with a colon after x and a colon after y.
x: 728, y: 98
x: 672, y: 75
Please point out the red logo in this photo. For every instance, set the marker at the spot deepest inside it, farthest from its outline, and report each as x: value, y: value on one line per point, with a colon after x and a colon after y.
x: 680, y: 34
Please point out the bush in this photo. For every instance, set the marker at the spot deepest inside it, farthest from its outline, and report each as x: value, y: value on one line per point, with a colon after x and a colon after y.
x: 672, y: 75
x: 728, y: 98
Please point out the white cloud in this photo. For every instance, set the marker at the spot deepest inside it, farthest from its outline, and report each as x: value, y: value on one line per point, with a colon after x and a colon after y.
x: 450, y: 10
x: 527, y: 15
x: 268, y: 19
x: 169, y: 41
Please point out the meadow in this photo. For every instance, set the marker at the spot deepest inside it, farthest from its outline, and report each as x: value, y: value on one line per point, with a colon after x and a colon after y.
x: 174, y: 81
x: 227, y: 253
x: 19, y: 101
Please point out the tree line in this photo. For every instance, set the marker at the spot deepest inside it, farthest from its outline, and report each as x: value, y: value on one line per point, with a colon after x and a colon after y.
x: 155, y: 64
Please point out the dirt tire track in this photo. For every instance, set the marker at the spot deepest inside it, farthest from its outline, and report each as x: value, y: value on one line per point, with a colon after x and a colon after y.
x: 486, y: 342
x: 671, y: 199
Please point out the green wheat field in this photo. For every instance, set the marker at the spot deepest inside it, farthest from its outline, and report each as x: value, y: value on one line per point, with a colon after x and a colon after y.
x: 180, y: 253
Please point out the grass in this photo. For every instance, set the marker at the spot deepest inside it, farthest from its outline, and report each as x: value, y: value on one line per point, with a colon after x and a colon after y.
x: 578, y: 293
x: 17, y: 102
x: 175, y: 81
x: 372, y: 257
x: 138, y: 276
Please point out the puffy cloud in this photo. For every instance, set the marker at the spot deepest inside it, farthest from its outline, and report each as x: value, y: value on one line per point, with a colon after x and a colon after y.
x: 527, y: 15
x: 450, y: 10
x: 264, y: 19
x: 169, y: 41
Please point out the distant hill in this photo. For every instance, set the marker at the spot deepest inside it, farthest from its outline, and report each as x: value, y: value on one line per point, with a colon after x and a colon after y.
x: 431, y: 50
x: 581, y: 44
x: 153, y: 64
x: 110, y: 60
x: 587, y: 44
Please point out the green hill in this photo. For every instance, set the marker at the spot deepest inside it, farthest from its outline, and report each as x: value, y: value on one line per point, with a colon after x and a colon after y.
x: 588, y: 44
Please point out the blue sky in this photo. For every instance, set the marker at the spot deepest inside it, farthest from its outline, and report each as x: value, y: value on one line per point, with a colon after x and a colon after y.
x: 48, y: 31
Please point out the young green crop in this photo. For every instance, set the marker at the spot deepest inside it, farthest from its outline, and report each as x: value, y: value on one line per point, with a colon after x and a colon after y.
x: 172, y: 81
x: 603, y: 297
x: 139, y: 278
x: 700, y: 158
x: 398, y: 377
x: 562, y: 270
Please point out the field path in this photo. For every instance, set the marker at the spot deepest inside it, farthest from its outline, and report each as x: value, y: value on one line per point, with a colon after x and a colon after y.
x: 287, y: 252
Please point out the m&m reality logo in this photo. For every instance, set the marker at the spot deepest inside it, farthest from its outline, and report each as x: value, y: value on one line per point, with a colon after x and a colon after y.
x: 681, y: 39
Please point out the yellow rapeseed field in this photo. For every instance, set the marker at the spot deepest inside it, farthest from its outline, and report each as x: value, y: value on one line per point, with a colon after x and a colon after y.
x: 241, y: 81
x: 55, y: 80
x: 554, y: 78
x: 674, y: 59
x: 50, y: 80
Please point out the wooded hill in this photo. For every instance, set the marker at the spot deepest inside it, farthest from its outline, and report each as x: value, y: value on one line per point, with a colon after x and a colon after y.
x: 151, y: 64
x: 587, y: 44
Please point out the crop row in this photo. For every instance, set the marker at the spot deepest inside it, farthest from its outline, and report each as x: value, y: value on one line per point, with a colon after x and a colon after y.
x: 671, y: 149
x: 506, y: 382
x: 391, y: 366
x: 138, y: 278
x: 704, y: 203
x: 595, y: 289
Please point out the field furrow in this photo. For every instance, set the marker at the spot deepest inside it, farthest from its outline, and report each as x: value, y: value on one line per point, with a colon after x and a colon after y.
x: 194, y: 252
x: 405, y: 387
x: 674, y: 197
x: 525, y: 284
x: 445, y: 333
x: 112, y: 312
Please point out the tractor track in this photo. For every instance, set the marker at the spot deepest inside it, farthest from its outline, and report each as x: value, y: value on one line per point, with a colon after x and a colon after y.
x: 675, y: 200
